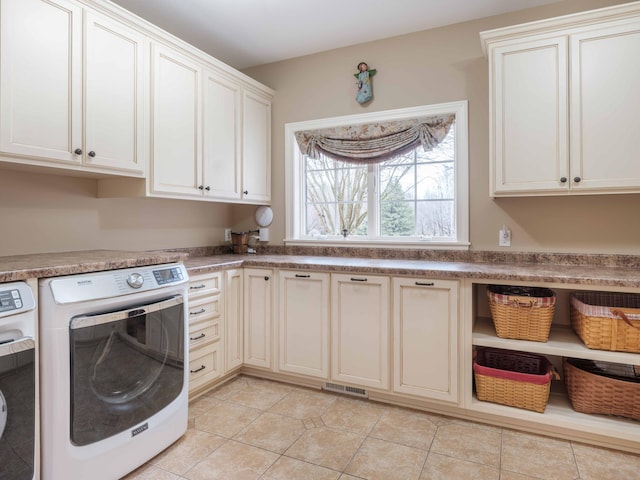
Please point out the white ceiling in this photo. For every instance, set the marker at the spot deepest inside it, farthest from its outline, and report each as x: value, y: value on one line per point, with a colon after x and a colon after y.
x: 245, y: 33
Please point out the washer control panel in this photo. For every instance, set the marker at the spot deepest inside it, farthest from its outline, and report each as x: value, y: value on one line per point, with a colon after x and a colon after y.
x: 15, y: 298
x: 113, y: 283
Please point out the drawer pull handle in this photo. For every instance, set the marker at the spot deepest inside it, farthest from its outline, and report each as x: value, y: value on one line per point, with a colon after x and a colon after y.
x: 202, y: 367
x: 197, y: 312
x: 197, y: 287
x: 358, y: 279
x: 425, y: 284
x: 202, y: 335
x: 302, y: 276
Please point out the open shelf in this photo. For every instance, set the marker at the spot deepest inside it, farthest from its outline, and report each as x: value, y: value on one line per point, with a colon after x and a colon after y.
x: 560, y: 414
x: 563, y: 342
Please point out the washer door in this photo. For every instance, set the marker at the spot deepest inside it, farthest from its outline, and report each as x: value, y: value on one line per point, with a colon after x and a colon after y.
x: 3, y: 413
x: 125, y: 367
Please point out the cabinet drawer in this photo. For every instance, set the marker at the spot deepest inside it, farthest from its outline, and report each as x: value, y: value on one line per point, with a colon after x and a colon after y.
x: 204, y: 365
x: 204, y: 332
x: 207, y: 284
x: 204, y: 308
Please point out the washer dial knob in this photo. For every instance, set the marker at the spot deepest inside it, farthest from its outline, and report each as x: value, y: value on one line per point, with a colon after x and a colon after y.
x: 135, y: 280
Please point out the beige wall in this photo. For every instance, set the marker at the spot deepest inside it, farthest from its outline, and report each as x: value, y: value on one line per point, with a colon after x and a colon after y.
x: 435, y: 66
x: 51, y: 213
x: 47, y: 213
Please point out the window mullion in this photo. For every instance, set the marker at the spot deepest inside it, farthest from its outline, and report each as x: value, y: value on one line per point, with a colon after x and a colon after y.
x: 373, y: 204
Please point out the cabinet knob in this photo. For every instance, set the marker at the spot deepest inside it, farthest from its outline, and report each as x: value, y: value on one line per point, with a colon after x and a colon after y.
x: 577, y: 179
x: 563, y: 179
x: 200, y: 187
x: 266, y: 278
x: 78, y: 151
x: 246, y: 192
x: 207, y: 188
x: 92, y: 154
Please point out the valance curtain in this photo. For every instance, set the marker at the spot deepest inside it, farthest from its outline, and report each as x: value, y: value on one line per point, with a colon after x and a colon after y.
x: 375, y: 142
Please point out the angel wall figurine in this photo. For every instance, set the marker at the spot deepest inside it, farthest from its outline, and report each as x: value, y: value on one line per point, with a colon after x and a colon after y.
x: 364, y: 74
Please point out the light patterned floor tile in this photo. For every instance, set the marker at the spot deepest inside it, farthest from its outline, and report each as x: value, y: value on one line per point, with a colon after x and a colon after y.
x: 272, y: 432
x: 406, y: 427
x: 441, y: 467
x: 303, y: 404
x: 326, y: 447
x: 193, y: 447
x: 353, y: 415
x: 380, y: 460
x: 261, y: 396
x: 150, y: 472
x: 468, y: 442
x: 233, y: 461
x: 542, y: 457
x: 287, y: 468
x: 603, y: 464
x: 226, y: 419
x: 506, y: 475
x: 229, y: 388
x: 201, y: 405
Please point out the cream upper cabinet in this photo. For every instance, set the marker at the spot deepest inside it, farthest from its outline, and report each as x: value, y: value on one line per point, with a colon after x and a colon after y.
x: 46, y: 117
x: 233, y: 320
x: 605, y: 101
x: 176, y: 153
x: 303, y: 323
x: 529, y: 110
x: 258, y: 317
x: 425, y: 338
x: 563, y: 104
x: 256, y: 148
x: 222, y: 137
x: 360, y: 330
x: 116, y: 77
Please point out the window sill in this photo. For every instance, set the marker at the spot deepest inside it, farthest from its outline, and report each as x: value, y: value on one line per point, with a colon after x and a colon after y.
x: 396, y: 244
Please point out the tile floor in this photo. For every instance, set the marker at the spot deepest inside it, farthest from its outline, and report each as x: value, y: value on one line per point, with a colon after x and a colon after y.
x: 253, y: 429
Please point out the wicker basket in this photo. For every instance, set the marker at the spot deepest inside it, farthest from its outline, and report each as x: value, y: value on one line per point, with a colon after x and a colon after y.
x: 523, y: 313
x: 606, y: 320
x: 603, y: 387
x: 516, y: 379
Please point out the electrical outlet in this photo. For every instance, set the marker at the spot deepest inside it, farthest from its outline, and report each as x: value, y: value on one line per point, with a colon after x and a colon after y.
x: 227, y: 234
x: 504, y: 237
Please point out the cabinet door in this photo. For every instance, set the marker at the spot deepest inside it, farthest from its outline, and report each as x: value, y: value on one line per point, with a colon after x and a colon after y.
x: 41, y: 79
x: 256, y: 148
x: 176, y: 154
x: 258, y: 315
x: 114, y: 99
x: 605, y: 101
x: 303, y: 323
x: 221, y: 130
x: 425, y: 332
x: 233, y: 320
x: 528, y: 102
x: 360, y: 330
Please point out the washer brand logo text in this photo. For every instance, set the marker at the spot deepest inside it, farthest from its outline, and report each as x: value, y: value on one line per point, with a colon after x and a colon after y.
x: 140, y: 429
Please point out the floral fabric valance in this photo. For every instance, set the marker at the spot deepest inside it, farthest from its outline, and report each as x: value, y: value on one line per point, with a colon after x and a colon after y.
x: 375, y: 142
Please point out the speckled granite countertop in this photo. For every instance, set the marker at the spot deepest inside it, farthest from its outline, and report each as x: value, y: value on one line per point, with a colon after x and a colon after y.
x: 21, y: 267
x: 548, y: 273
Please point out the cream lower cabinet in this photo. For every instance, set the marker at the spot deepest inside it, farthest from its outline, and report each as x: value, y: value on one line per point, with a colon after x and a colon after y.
x: 303, y: 323
x: 205, y: 330
x: 425, y: 338
x: 360, y: 330
x: 258, y: 317
x: 233, y: 319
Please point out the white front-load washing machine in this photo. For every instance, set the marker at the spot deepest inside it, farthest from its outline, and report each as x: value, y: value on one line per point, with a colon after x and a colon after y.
x: 18, y: 382
x: 114, y: 372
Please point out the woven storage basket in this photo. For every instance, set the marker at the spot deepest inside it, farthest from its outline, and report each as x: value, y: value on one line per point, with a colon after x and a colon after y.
x: 516, y: 379
x: 523, y: 313
x: 603, y: 387
x: 607, y: 320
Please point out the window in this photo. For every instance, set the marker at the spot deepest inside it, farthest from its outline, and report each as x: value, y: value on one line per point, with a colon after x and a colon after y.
x: 417, y: 196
